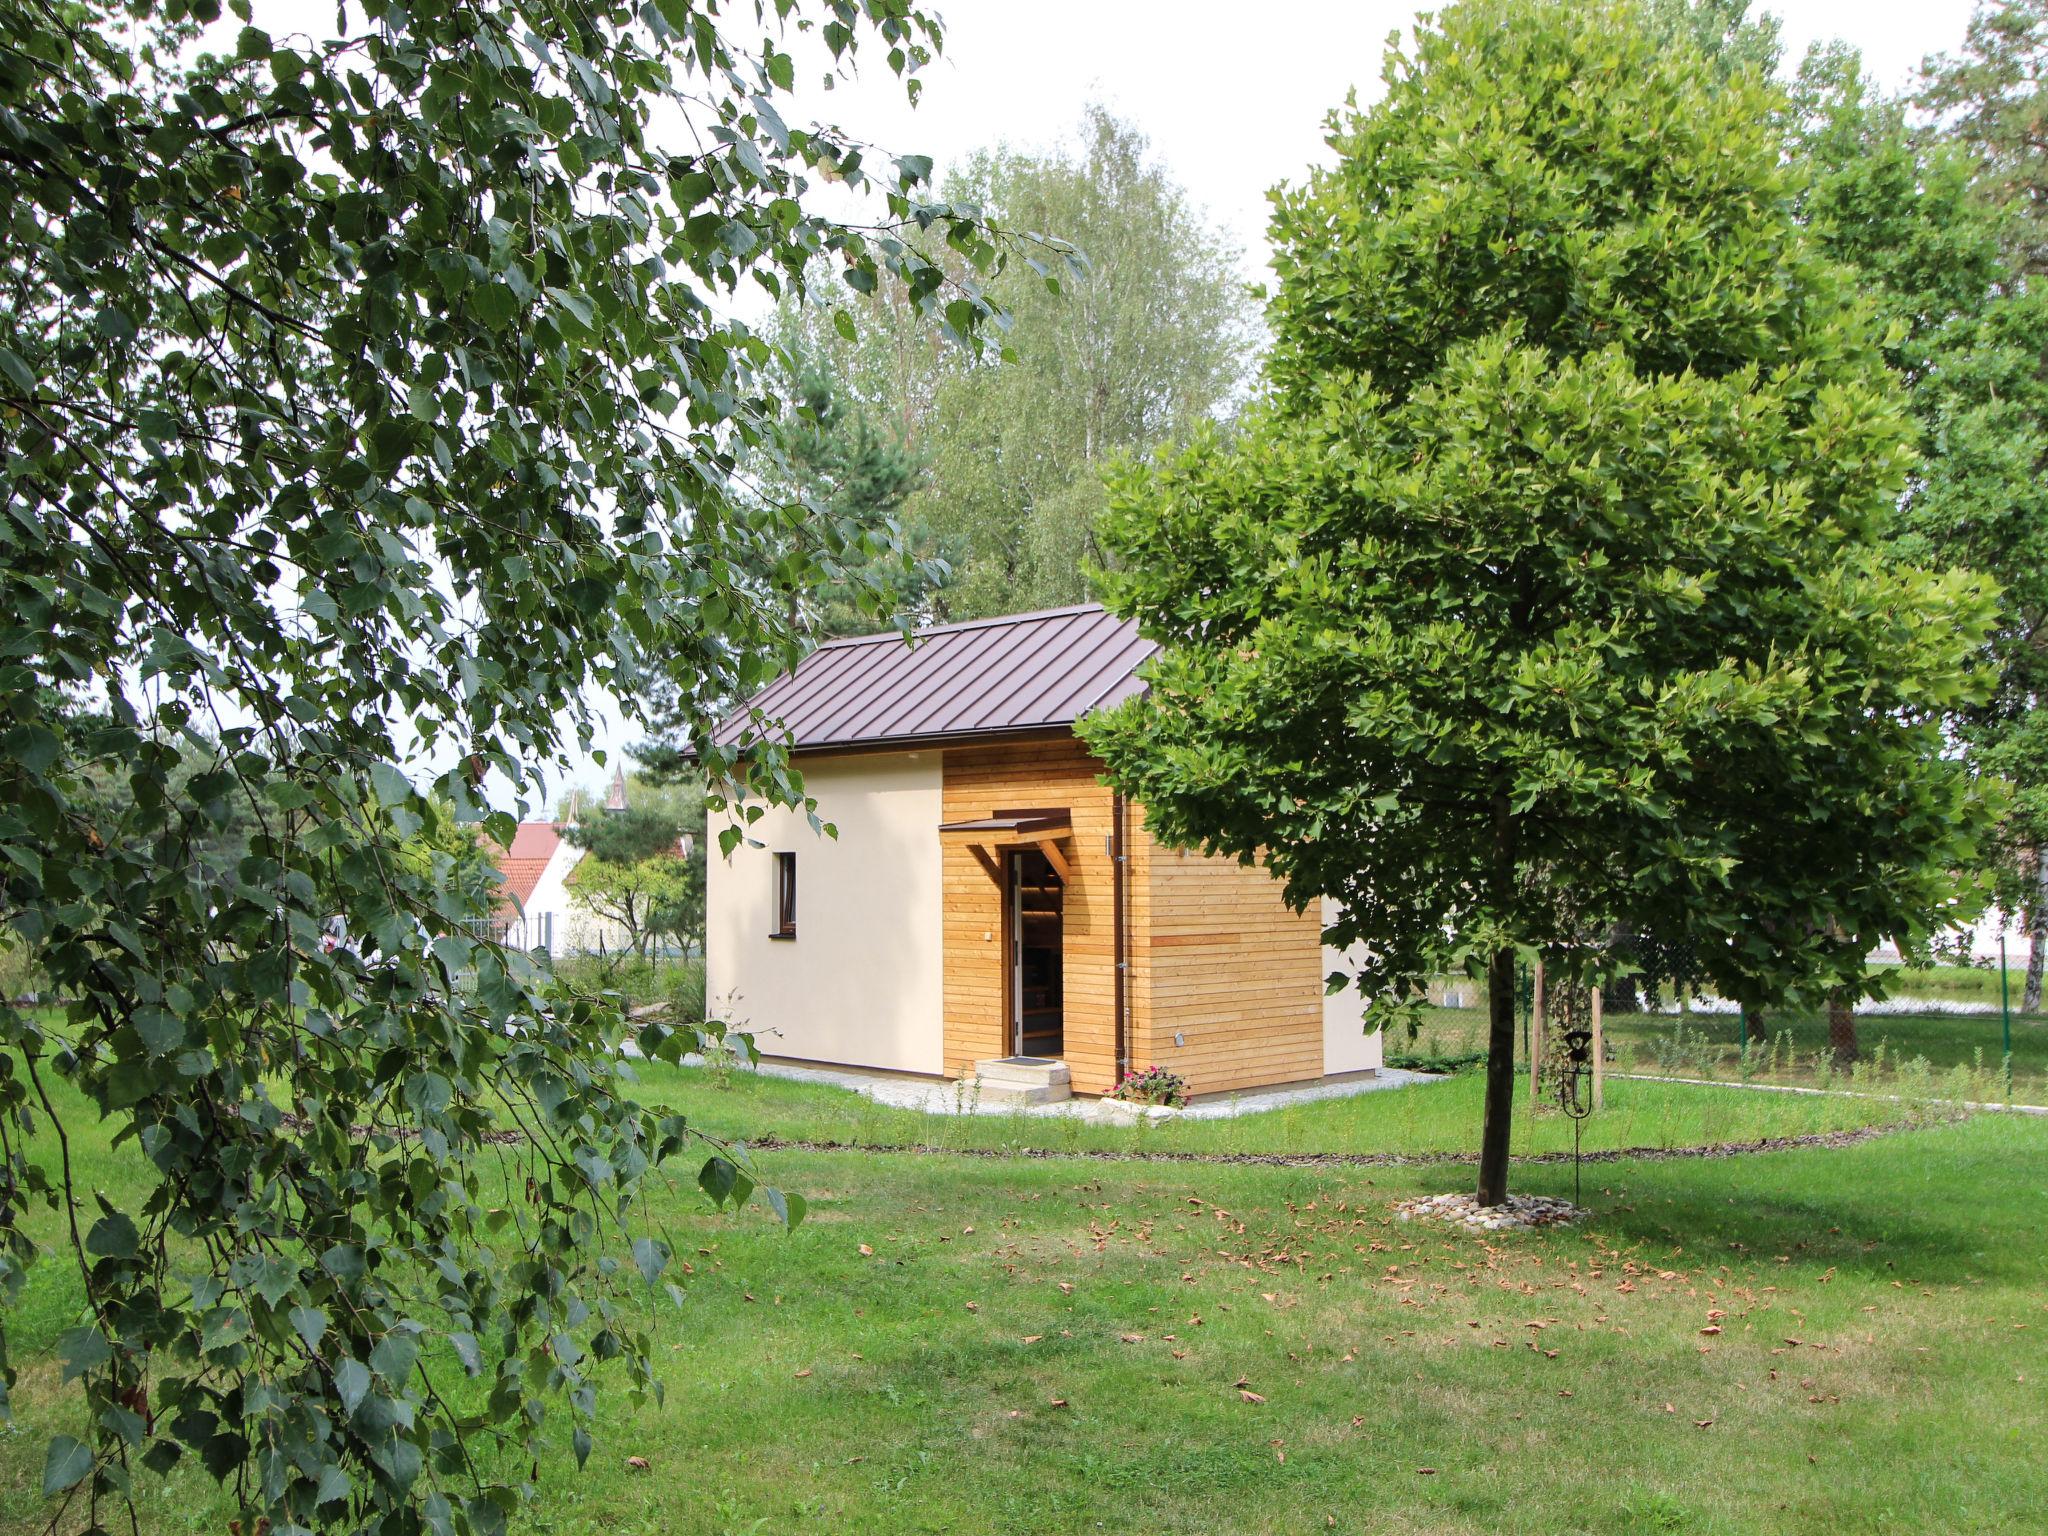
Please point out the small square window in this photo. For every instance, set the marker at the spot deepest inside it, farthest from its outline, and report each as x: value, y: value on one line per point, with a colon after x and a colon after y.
x: 785, y: 897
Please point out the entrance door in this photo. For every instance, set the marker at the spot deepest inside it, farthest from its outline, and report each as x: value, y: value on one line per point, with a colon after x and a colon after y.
x: 1037, y: 1010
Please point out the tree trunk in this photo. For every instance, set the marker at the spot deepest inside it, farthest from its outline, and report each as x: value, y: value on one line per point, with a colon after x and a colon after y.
x: 1500, y: 1078
x: 2037, y: 921
x: 1842, y: 1026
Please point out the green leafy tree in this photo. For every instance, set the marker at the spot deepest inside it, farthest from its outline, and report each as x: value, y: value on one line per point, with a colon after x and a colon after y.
x: 1906, y: 209
x: 363, y: 398
x: 645, y: 865
x: 647, y: 898
x: 1991, y: 96
x: 1153, y: 337
x: 1984, y: 502
x: 1145, y: 334
x: 1548, y: 587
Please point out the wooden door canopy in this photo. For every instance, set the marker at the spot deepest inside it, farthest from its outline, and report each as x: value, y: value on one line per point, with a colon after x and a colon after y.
x: 987, y: 836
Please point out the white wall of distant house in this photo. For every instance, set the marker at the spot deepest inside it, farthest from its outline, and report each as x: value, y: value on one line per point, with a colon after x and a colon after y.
x: 862, y: 982
x: 1348, y: 1046
x: 1984, y: 936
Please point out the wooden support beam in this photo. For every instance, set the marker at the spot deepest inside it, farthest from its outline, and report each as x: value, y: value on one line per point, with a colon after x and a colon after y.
x: 1599, y: 1054
x: 987, y: 862
x: 1056, y: 859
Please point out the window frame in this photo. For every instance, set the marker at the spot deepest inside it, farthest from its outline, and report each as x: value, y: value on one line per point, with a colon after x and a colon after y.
x: 783, y: 924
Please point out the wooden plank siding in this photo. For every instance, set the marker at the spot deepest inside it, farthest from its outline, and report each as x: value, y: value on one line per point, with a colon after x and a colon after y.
x: 1030, y: 775
x: 1228, y: 966
x: 1215, y: 954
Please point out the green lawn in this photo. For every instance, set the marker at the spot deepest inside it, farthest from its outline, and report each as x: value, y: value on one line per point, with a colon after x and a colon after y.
x: 1063, y: 1344
x: 1437, y: 1117
x: 1789, y: 1045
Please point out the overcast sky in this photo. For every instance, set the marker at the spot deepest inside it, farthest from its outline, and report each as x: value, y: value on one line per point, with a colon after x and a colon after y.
x: 1232, y: 95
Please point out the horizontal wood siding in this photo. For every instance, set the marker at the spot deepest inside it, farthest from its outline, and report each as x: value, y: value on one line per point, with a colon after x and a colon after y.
x: 1030, y: 775
x: 1222, y: 959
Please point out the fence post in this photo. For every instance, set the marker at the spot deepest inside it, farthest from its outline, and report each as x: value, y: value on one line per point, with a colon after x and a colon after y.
x: 1536, y: 1038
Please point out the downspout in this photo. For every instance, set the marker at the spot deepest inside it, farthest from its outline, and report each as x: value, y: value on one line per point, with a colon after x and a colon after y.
x: 1120, y: 944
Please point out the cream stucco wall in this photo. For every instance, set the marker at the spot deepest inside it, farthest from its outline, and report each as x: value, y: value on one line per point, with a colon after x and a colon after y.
x: 862, y: 982
x: 1347, y: 1047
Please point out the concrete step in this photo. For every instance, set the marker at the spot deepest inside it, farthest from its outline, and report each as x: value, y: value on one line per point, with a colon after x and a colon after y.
x: 1023, y: 1080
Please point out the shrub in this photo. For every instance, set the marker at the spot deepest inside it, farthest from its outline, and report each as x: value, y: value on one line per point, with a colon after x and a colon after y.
x: 1154, y: 1085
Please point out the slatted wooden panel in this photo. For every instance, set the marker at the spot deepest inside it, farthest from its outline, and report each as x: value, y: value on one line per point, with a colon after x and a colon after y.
x: 1035, y: 774
x: 1223, y: 960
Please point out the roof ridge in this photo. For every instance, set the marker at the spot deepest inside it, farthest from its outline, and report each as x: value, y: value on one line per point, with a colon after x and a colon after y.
x: 962, y: 625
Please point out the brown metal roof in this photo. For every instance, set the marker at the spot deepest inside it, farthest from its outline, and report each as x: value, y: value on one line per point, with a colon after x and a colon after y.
x: 1019, y: 672
x: 1034, y: 821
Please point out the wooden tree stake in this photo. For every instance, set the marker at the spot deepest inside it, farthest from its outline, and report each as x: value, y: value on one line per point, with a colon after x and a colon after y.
x: 1599, y: 1054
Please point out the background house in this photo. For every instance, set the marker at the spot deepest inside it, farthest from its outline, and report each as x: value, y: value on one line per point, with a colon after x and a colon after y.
x: 987, y: 895
x: 535, y: 910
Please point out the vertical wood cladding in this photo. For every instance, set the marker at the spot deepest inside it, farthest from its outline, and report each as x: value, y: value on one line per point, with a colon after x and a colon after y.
x: 1215, y: 954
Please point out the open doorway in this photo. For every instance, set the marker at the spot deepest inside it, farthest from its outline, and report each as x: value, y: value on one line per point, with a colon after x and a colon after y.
x: 1035, y: 921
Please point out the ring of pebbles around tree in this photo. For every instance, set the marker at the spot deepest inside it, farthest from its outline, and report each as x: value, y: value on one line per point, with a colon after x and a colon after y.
x: 1521, y: 1213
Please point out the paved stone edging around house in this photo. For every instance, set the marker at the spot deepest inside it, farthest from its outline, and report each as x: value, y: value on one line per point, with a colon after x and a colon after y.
x: 1830, y: 1139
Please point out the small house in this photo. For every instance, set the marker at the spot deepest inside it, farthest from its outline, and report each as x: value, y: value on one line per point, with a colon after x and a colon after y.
x: 535, y: 910
x: 988, y: 895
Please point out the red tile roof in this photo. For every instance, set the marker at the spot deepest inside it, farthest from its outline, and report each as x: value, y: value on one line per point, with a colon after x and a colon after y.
x: 521, y: 864
x: 1017, y: 672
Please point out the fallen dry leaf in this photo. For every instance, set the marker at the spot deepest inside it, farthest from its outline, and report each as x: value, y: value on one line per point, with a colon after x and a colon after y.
x: 1057, y: 1402
x: 974, y: 1306
x: 1702, y: 1423
x: 638, y: 1463
x: 800, y: 1375
x: 1132, y: 1338
x: 1033, y: 1338
x: 1425, y: 1471
x: 866, y: 1252
x: 1066, y: 1289
x: 1249, y: 1396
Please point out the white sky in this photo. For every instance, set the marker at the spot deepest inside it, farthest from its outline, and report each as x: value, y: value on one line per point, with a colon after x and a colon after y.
x: 1232, y: 96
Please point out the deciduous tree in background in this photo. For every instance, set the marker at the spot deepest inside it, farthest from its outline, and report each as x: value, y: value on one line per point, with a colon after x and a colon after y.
x: 1549, y: 586
x: 644, y: 868
x: 365, y: 397
x: 1150, y: 334
x: 1985, y: 503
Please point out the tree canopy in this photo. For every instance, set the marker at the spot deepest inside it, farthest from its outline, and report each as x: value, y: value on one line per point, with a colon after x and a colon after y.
x: 1149, y: 334
x: 1982, y: 502
x: 1548, y: 587
x: 366, y: 396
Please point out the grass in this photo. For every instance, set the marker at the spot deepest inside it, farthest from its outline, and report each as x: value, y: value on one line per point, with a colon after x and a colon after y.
x: 1059, y: 1345
x: 1790, y: 1046
x: 1437, y: 1117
